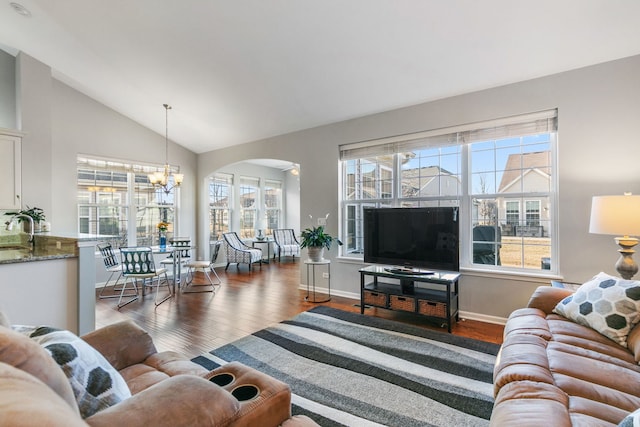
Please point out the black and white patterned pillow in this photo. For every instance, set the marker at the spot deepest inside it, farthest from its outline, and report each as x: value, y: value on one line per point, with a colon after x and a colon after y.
x: 607, y: 304
x: 95, y: 383
x: 631, y: 420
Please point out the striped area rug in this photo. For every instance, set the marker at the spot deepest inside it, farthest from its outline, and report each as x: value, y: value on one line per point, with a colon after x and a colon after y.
x: 347, y: 369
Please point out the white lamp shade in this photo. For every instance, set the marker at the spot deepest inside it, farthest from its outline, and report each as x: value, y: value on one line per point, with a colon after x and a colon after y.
x: 615, y: 215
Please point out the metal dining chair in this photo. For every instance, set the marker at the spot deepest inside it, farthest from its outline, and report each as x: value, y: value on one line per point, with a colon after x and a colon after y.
x: 184, y: 254
x: 112, y: 265
x: 205, y: 266
x: 138, y: 264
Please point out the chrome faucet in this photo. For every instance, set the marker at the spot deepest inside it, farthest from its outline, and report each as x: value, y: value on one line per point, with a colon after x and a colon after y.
x: 9, y: 224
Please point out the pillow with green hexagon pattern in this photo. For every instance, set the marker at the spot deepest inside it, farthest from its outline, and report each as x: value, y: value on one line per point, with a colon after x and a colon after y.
x: 607, y: 304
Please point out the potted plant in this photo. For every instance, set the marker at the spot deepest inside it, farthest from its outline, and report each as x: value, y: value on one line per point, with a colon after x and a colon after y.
x: 37, y: 214
x: 315, y: 239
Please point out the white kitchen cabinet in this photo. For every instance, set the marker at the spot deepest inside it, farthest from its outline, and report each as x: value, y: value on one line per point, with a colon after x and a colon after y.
x: 10, y: 169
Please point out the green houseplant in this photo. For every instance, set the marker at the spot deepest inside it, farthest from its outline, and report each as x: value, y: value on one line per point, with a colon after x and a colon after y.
x: 36, y: 213
x: 315, y: 239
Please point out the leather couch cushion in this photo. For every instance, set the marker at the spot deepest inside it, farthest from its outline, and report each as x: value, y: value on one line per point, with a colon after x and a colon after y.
x: 26, y: 401
x: 19, y: 351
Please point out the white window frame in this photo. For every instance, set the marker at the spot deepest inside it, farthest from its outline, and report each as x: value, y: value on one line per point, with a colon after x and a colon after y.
x: 221, y: 180
x: 159, y: 206
x: 464, y: 136
x: 272, y: 214
x: 249, y: 214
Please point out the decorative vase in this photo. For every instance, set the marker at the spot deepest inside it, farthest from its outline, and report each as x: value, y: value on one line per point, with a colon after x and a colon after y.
x: 315, y: 253
x: 260, y: 235
x: 163, y: 240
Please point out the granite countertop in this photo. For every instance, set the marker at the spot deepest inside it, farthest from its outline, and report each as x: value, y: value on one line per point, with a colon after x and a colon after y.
x: 15, y: 255
x: 46, y: 246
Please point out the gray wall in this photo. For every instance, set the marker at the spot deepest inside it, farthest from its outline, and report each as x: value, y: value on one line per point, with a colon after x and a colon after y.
x: 598, y: 150
x: 7, y: 90
x: 61, y: 123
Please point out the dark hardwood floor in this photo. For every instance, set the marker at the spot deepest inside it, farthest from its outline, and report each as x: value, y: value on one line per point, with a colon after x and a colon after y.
x: 246, y: 302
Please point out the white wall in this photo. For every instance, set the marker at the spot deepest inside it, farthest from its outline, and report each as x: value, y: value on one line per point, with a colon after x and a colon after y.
x: 598, y: 150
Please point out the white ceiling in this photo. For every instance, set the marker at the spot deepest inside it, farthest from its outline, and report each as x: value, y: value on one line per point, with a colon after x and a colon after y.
x: 241, y: 70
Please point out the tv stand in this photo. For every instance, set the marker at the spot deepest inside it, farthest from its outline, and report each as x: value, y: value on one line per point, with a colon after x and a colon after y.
x: 437, y: 300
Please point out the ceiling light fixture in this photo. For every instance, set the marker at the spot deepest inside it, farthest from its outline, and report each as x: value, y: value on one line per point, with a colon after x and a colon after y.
x: 161, y: 180
x: 20, y: 9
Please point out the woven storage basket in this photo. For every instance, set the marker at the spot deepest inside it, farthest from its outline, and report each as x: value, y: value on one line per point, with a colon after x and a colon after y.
x: 402, y: 303
x: 375, y: 298
x: 432, y: 308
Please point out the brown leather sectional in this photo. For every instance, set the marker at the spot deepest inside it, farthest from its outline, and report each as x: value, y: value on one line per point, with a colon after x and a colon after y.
x: 167, y: 388
x: 554, y: 372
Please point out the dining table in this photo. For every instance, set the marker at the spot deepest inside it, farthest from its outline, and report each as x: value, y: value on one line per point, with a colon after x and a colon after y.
x: 176, y: 254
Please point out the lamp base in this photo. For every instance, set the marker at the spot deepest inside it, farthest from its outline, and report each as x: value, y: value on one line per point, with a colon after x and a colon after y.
x: 626, y: 266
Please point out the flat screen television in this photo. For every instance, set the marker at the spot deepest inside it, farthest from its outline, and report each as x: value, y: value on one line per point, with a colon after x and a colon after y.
x: 412, y: 238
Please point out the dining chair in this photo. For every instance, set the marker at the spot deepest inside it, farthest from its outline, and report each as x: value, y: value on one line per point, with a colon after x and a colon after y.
x: 205, y: 266
x: 286, y: 243
x: 112, y: 265
x: 239, y: 253
x: 138, y: 264
x: 185, y: 254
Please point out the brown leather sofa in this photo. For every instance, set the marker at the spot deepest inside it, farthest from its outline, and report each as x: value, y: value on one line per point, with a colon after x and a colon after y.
x: 554, y: 372
x: 167, y: 389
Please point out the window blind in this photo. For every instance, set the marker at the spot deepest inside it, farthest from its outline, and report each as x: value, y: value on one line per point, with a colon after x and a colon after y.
x: 521, y: 125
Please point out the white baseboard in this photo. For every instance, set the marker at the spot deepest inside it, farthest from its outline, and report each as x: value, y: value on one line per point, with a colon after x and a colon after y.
x: 483, y: 318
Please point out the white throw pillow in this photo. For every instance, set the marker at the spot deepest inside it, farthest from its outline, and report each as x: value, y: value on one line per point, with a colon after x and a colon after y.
x: 95, y: 383
x: 607, y: 304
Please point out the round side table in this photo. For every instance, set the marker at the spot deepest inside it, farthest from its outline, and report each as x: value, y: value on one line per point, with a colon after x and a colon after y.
x: 311, y: 269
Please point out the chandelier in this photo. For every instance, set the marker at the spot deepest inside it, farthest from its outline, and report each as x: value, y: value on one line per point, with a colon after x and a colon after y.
x: 160, y: 180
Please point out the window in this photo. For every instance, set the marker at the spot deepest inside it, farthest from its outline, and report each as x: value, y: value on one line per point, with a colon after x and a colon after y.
x: 112, y: 195
x: 513, y: 213
x: 248, y: 207
x: 500, y: 174
x: 273, y: 206
x: 220, y: 192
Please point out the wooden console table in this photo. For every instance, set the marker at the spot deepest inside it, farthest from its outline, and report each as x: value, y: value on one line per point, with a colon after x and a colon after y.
x: 435, y: 297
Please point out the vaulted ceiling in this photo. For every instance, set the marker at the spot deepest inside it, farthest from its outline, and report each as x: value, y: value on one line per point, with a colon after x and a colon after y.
x: 236, y: 71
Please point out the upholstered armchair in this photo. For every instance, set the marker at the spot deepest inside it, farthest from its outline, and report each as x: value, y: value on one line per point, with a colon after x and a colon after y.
x: 286, y: 243
x: 238, y: 252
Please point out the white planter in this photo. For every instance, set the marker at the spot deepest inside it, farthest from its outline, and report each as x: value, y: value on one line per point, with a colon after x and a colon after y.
x: 315, y: 253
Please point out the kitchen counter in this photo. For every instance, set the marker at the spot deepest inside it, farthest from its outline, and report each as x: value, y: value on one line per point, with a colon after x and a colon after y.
x: 53, y: 283
x: 45, y: 247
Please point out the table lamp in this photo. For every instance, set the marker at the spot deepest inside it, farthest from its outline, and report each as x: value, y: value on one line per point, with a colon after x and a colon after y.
x: 618, y: 215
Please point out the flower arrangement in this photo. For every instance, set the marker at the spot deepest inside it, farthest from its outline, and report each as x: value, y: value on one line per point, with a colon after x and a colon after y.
x: 163, y: 226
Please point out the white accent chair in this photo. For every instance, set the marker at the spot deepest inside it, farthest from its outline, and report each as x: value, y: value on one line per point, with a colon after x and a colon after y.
x: 286, y: 243
x: 239, y: 253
